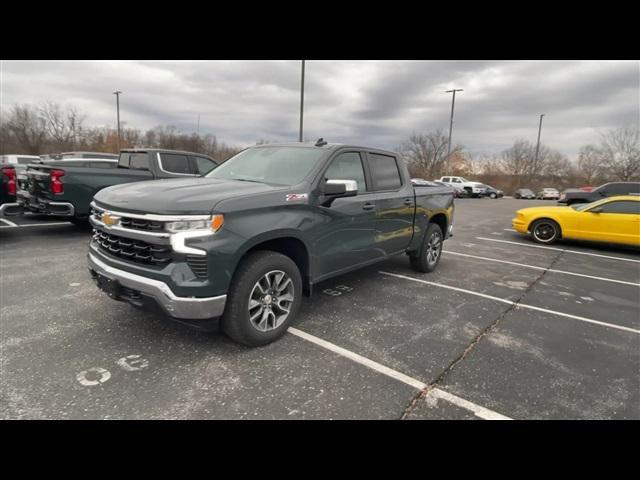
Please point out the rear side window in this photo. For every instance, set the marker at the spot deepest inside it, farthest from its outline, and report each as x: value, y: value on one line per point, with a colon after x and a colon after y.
x: 347, y: 166
x: 384, y: 171
x: 622, y: 188
x: 621, y: 207
x: 139, y: 161
x: 202, y: 165
x: 175, y: 163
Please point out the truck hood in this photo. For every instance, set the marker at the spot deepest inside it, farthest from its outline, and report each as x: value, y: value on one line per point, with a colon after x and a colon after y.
x: 189, y: 196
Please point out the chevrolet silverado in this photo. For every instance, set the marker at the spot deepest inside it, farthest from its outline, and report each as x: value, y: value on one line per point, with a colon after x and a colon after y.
x: 244, y: 242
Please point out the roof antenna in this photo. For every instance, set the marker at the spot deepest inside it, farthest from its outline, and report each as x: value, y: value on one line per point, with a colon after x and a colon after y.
x: 320, y: 142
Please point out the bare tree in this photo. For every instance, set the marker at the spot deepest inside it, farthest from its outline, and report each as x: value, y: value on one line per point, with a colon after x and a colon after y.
x: 426, y: 154
x: 28, y: 128
x: 620, y: 149
x: 590, y: 164
x: 63, y: 125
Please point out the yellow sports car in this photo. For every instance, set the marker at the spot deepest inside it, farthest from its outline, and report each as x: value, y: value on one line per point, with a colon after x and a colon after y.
x: 613, y: 219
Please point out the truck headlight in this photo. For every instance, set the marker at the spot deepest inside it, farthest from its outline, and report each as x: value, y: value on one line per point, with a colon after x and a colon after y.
x: 212, y: 225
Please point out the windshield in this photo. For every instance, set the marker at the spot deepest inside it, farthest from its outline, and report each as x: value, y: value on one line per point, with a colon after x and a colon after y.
x: 273, y: 165
x: 527, y: 192
x: 580, y: 207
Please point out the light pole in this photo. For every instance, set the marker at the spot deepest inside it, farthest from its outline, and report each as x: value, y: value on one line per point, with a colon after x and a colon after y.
x: 301, y: 101
x: 538, y: 144
x: 117, y: 94
x: 453, y: 102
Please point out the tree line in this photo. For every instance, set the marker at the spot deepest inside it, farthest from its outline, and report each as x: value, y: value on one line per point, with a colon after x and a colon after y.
x: 51, y: 128
x: 615, y: 156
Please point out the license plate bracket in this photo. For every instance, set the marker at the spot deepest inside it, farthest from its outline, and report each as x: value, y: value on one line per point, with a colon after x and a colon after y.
x: 109, y: 286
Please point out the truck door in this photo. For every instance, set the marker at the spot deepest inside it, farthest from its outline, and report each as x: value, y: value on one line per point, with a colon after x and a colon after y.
x: 347, y: 236
x: 394, y: 200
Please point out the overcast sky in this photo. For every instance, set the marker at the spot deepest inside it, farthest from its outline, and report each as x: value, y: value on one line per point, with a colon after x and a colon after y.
x: 377, y: 103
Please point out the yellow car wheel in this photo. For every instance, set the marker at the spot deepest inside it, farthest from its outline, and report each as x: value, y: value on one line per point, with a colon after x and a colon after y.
x: 545, y: 231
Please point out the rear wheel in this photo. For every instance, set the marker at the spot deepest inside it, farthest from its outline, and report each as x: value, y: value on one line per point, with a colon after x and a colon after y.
x: 264, y: 299
x: 427, y: 258
x: 545, y: 231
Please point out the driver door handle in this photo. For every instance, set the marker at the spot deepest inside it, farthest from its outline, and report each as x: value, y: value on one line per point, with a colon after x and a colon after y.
x: 408, y: 202
x: 369, y: 206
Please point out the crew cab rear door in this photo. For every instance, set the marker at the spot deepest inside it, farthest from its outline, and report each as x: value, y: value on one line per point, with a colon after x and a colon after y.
x: 394, y: 198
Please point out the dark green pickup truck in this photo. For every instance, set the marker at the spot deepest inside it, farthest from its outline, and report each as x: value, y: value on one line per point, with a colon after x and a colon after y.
x: 65, y: 188
x: 244, y: 242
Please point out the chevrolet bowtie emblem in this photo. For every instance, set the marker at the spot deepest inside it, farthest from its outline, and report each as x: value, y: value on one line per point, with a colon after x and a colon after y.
x: 109, y: 219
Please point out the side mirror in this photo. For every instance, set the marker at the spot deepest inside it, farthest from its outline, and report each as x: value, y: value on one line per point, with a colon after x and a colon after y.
x: 332, y: 189
x: 340, y: 188
x: 596, y: 210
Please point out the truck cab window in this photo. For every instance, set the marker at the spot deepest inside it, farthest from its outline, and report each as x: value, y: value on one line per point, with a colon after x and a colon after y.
x: 175, y: 163
x: 384, y: 171
x: 347, y: 166
x: 139, y: 161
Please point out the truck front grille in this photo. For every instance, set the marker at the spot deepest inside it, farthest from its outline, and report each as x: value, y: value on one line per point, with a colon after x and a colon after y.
x: 132, y: 223
x: 132, y: 250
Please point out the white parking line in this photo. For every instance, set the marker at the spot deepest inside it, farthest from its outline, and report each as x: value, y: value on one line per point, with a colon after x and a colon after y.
x: 35, y: 224
x: 558, y: 249
x: 11, y: 224
x: 542, y: 268
x: 517, y: 305
x: 477, y: 410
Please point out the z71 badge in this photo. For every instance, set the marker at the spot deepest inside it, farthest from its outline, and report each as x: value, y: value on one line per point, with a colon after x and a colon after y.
x: 293, y: 197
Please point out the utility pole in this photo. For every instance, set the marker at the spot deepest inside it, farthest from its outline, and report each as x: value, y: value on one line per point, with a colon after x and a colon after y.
x: 538, y: 144
x: 117, y: 94
x: 198, y: 129
x: 453, y: 102
x: 301, y: 101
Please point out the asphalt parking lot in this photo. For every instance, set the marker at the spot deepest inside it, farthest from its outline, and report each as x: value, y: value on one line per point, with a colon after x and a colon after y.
x: 503, y: 329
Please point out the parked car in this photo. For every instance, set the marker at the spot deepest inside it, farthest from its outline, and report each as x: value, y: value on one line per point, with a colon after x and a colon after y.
x: 244, y: 242
x: 606, y: 190
x: 492, y: 192
x: 475, y: 189
x: 613, y: 219
x: 548, y: 194
x: 17, y: 159
x: 65, y: 188
x: 524, y: 193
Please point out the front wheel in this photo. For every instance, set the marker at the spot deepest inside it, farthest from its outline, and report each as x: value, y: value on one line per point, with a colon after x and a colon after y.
x: 427, y: 258
x: 545, y: 231
x: 493, y: 195
x: 264, y: 299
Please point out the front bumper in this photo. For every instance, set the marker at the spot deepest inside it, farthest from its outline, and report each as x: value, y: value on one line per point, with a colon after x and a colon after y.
x: 188, y: 308
x: 519, y: 225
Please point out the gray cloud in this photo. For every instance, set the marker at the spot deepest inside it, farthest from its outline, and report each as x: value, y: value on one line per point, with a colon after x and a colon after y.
x: 377, y: 103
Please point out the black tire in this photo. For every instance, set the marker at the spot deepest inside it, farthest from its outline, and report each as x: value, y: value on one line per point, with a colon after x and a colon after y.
x: 236, y: 321
x: 545, y: 231
x: 427, y: 258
